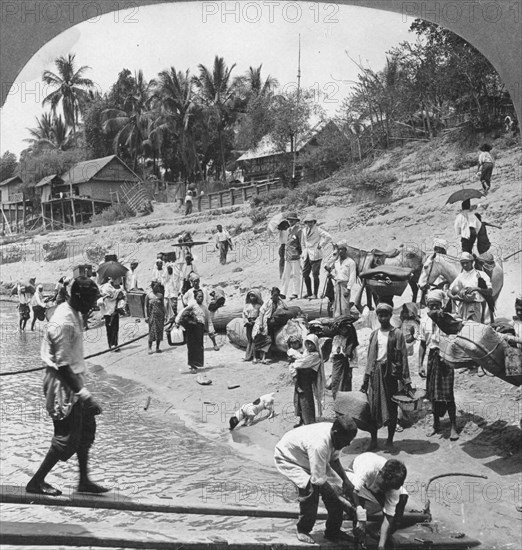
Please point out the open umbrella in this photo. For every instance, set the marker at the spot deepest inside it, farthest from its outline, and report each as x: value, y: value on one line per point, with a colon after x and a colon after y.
x: 277, y: 223
x: 111, y: 269
x: 464, y: 194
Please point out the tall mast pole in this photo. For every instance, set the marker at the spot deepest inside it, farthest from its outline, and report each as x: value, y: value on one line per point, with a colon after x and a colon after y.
x: 297, y: 110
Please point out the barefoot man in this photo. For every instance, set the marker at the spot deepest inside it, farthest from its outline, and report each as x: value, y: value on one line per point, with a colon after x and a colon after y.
x: 387, y: 366
x: 68, y: 401
x: 440, y: 376
x: 309, y: 457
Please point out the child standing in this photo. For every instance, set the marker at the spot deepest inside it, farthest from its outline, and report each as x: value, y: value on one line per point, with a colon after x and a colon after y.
x: 309, y: 382
x: 485, y: 167
x: 253, y: 303
x: 343, y: 347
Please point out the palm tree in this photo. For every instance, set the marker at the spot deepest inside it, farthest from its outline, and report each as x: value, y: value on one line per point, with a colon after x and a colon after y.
x: 178, y: 112
x: 251, y: 84
x: 217, y: 93
x: 132, y: 123
x: 70, y: 89
x: 51, y: 132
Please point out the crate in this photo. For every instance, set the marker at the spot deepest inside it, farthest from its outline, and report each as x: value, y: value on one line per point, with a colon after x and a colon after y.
x: 111, y: 258
x: 82, y: 270
x: 387, y: 288
x: 136, y: 302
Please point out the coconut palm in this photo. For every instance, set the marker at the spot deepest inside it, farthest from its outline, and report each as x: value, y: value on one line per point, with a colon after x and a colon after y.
x: 51, y: 132
x: 217, y: 93
x: 251, y: 84
x: 178, y: 112
x: 71, y: 89
x: 131, y: 125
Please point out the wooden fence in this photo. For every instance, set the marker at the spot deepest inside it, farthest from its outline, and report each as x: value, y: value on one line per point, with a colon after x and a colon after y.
x: 229, y: 197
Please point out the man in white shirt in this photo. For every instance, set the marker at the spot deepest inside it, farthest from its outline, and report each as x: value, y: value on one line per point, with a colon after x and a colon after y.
x: 344, y: 273
x: 313, y: 239
x: 467, y: 226
x: 469, y: 289
x: 223, y: 243
x: 309, y: 457
x: 379, y: 481
x: 171, y: 284
x: 38, y: 306
x: 68, y: 401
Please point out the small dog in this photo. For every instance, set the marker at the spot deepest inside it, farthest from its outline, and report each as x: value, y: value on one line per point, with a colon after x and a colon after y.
x: 250, y: 410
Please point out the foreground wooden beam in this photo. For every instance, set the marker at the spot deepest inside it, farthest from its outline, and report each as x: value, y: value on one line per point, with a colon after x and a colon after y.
x: 16, y: 494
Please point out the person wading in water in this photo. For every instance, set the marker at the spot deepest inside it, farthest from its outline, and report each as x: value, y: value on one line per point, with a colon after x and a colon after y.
x: 69, y: 403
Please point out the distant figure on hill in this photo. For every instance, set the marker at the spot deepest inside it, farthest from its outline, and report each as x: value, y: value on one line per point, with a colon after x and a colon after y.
x: 223, y: 243
x: 485, y: 165
x: 188, y: 202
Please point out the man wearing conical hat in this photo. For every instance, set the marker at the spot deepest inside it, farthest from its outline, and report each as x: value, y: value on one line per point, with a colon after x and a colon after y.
x: 313, y: 240
x: 469, y: 290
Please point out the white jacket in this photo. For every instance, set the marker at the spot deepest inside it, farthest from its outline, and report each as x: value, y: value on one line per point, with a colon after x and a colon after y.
x: 312, y: 240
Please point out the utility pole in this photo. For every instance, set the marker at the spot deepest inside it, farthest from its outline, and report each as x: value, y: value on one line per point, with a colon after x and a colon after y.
x: 294, y: 137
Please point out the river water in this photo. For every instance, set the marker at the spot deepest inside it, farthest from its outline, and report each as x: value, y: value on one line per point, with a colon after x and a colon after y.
x: 138, y: 453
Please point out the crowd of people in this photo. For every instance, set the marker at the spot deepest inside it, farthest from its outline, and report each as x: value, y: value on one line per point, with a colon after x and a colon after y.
x: 308, y: 455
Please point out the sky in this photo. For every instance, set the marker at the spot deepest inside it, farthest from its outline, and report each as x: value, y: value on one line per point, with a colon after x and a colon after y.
x: 183, y: 35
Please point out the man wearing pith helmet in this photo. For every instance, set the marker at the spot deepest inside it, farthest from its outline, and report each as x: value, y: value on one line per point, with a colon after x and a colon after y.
x: 312, y: 242
x: 292, y: 257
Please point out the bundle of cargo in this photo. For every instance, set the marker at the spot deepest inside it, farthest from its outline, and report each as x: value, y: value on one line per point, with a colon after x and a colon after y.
x: 355, y: 404
x: 387, y: 280
x: 462, y: 343
x: 236, y: 333
x: 225, y: 315
x: 327, y: 327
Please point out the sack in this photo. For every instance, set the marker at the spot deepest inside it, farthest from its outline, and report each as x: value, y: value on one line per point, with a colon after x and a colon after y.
x: 355, y: 404
x: 177, y: 335
x: 236, y: 332
x: 282, y: 316
x: 294, y: 327
x: 218, y: 299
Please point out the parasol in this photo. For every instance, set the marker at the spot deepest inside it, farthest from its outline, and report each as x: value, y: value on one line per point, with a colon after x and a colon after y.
x: 277, y: 223
x: 464, y: 194
x: 111, y: 269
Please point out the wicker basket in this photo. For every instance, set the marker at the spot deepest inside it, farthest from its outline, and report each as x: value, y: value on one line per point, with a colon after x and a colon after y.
x: 387, y: 288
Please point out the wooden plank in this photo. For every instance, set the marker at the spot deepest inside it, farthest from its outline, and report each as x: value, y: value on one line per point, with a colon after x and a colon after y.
x: 95, y: 534
x: 16, y: 494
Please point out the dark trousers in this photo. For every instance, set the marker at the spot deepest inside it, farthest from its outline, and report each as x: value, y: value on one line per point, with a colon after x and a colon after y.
x: 223, y: 251
x: 467, y: 244
x: 112, y: 326
x: 485, y: 175
x: 304, y: 395
x: 341, y: 374
x: 308, y: 503
x: 74, y: 433
x: 282, y: 249
x: 314, y: 267
x: 188, y: 208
